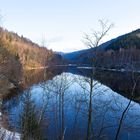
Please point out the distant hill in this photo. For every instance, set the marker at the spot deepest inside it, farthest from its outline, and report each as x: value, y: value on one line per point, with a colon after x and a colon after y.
x: 74, y: 55
x: 120, y: 52
x: 83, y: 56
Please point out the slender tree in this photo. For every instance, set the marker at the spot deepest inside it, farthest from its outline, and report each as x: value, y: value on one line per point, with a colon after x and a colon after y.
x: 94, y: 39
x: 29, y: 123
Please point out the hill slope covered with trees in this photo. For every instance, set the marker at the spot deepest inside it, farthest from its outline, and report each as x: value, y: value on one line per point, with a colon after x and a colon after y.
x: 121, y: 52
x: 17, y: 54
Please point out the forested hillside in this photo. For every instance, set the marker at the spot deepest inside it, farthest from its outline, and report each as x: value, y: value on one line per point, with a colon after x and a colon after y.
x: 18, y: 53
x: 121, y: 52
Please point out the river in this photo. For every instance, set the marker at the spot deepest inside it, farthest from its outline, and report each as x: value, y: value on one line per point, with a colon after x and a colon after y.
x: 75, y: 104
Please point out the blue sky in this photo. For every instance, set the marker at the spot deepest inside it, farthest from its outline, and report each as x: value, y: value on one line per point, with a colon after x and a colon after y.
x: 61, y: 23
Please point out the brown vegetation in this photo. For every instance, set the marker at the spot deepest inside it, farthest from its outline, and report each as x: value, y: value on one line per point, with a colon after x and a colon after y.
x: 19, y: 53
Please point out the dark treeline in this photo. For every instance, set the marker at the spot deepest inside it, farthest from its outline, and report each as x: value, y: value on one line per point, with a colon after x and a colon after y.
x: 124, y: 52
x: 122, y: 58
x: 121, y: 52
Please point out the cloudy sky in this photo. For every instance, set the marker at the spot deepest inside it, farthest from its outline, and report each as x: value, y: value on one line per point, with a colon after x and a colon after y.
x: 62, y: 23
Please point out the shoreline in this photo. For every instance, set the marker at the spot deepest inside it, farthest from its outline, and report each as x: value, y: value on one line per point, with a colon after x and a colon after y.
x: 7, y: 134
x: 85, y: 67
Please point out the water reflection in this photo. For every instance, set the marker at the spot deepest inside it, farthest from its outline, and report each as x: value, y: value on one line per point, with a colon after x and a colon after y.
x: 30, y: 124
x: 75, y: 104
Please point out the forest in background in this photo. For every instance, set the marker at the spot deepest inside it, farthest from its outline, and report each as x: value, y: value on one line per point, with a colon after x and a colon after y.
x: 122, y: 52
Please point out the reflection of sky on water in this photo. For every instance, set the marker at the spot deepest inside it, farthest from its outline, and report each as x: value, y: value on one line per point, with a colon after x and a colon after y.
x: 107, y: 108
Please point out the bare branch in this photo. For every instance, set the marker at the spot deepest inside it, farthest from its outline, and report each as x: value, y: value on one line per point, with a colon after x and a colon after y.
x: 95, y: 38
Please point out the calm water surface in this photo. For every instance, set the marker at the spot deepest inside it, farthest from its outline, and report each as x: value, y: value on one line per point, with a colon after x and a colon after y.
x: 65, y: 107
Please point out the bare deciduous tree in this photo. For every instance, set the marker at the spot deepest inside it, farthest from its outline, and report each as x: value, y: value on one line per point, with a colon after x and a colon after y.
x: 94, y: 39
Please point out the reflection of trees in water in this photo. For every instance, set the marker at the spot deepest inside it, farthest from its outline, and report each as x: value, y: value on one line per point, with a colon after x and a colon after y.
x: 104, y: 116
x: 122, y: 83
x: 52, y: 108
x: 76, y: 107
x: 87, y: 85
x: 59, y: 86
x: 30, y: 124
x: 126, y: 109
x: 110, y: 113
x: 36, y: 76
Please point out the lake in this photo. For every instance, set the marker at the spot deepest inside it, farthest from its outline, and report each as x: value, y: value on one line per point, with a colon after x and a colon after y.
x: 68, y: 103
